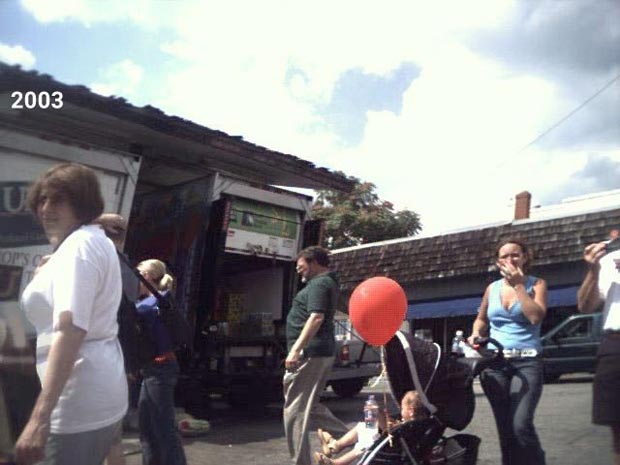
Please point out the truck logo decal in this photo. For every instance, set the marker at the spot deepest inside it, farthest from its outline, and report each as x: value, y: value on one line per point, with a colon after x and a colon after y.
x: 18, y: 227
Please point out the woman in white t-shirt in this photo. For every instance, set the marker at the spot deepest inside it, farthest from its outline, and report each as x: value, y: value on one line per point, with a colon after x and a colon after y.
x: 72, y: 302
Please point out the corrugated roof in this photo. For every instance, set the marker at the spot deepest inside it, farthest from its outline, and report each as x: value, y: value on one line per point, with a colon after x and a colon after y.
x: 203, y: 147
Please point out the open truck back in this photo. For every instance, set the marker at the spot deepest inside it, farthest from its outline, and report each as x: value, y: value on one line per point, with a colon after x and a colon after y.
x: 232, y: 247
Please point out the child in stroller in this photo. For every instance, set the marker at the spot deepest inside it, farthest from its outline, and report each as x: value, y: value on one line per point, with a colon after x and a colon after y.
x: 445, y: 388
x: 411, y: 408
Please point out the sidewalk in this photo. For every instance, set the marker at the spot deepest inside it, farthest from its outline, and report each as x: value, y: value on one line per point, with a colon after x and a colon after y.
x: 257, y: 438
x: 235, y: 437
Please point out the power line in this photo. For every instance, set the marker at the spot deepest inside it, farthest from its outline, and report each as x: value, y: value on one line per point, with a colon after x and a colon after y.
x: 579, y: 107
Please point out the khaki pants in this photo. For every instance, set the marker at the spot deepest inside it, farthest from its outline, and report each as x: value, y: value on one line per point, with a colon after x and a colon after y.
x: 302, y: 409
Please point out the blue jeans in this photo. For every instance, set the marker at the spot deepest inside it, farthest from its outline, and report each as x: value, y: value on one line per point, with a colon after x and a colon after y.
x: 514, y: 388
x: 161, y: 444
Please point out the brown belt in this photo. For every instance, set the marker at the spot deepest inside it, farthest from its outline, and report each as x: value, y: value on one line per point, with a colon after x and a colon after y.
x: 165, y: 357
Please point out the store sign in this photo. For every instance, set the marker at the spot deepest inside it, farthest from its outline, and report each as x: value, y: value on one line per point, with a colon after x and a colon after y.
x: 257, y: 228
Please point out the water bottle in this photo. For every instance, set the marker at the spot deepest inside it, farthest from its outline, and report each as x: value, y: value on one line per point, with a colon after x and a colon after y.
x: 457, y: 348
x: 371, y: 413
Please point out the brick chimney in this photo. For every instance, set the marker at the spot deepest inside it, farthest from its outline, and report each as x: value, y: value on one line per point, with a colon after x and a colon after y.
x: 522, y: 205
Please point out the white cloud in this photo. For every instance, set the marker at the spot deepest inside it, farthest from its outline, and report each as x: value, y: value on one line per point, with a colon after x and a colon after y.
x: 264, y: 70
x: 121, y: 79
x: 17, y: 55
x: 446, y: 150
x: 63, y: 10
x: 452, y: 154
x: 144, y: 13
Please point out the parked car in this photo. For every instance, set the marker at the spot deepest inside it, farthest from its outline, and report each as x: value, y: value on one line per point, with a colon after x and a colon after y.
x: 355, y: 364
x: 571, y: 346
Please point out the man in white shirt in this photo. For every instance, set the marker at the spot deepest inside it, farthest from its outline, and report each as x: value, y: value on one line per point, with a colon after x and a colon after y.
x: 601, y: 285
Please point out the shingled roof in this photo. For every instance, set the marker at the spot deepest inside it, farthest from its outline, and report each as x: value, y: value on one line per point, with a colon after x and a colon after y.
x: 554, y: 242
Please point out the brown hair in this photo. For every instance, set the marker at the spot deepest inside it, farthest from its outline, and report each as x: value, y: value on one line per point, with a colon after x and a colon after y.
x: 525, y: 249
x: 316, y: 254
x: 115, y: 227
x: 76, y: 182
x: 419, y: 409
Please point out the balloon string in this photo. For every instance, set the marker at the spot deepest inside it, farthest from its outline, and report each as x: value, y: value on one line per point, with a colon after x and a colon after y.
x: 385, y: 401
x: 382, y: 375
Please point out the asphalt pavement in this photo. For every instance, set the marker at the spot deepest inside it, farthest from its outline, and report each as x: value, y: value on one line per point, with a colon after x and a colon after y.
x: 256, y: 437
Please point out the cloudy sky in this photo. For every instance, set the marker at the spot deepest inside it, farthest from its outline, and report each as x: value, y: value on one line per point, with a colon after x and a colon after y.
x: 439, y: 103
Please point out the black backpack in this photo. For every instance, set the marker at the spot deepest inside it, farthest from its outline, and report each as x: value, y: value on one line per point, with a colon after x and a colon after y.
x: 178, y: 328
x: 136, y: 343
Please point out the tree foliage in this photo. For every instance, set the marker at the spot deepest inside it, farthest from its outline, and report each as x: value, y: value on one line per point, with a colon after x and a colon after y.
x: 360, y: 217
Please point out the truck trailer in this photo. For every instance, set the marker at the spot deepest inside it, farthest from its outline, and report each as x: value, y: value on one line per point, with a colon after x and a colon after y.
x: 205, y: 202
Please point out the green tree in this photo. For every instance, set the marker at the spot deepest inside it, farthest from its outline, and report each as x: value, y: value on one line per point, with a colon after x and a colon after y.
x: 360, y: 217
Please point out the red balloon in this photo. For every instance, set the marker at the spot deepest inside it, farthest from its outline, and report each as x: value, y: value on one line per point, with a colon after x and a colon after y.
x: 377, y: 308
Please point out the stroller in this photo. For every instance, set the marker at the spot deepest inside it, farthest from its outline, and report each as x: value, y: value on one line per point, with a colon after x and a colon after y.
x: 445, y: 386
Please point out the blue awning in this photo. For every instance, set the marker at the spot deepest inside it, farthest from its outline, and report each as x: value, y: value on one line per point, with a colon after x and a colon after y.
x: 559, y: 297
x: 562, y: 297
x: 444, y: 308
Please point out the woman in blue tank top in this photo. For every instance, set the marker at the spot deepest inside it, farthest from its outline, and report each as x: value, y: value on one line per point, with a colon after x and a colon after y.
x: 511, y: 312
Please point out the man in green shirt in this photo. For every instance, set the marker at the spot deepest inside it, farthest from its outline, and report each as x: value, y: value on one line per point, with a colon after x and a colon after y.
x: 311, y: 351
